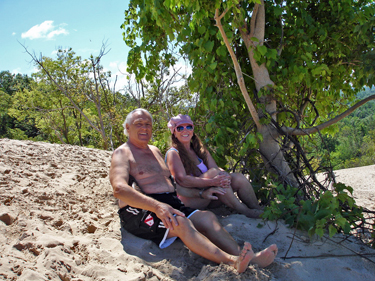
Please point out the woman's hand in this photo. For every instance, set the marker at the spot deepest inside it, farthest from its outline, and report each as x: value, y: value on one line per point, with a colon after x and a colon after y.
x: 212, y: 192
x: 226, y: 183
x: 221, y: 180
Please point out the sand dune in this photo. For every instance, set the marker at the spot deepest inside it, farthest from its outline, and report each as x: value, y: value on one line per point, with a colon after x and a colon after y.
x: 58, y: 221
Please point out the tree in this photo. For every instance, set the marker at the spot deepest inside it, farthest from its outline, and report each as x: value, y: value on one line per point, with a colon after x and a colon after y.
x: 72, y: 92
x: 297, y: 64
x: 9, y: 126
x: 166, y: 94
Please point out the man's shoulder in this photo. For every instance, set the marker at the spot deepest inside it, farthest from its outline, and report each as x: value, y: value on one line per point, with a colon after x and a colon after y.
x: 153, y: 147
x: 123, y: 149
x: 124, y: 146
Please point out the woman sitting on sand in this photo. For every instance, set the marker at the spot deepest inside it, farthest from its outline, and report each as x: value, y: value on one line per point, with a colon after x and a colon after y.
x: 206, y: 185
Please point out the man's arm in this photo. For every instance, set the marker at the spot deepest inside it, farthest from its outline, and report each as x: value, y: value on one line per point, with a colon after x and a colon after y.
x: 119, y: 176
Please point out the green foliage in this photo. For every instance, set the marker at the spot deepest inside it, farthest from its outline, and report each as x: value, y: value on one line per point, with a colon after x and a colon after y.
x: 332, y: 211
x: 351, y: 143
x: 70, y: 102
x: 10, y: 127
x: 325, y: 59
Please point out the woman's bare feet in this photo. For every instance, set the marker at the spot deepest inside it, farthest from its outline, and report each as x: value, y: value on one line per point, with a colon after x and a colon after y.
x: 265, y: 257
x: 254, y: 213
x: 244, y: 258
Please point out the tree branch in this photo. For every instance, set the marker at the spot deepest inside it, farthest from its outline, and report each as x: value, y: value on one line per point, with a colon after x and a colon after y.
x: 237, y: 68
x: 64, y: 91
x: 313, y: 130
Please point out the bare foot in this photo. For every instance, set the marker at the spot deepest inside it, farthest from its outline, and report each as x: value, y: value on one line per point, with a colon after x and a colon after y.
x: 265, y: 257
x: 244, y: 258
x: 254, y: 213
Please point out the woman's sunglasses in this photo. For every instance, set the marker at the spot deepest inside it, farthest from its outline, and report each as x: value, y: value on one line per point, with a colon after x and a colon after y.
x: 181, y: 128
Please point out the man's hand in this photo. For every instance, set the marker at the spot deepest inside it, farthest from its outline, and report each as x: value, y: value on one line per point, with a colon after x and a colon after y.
x: 167, y: 214
x: 210, y: 193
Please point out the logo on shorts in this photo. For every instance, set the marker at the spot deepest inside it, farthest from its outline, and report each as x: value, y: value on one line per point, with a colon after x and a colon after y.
x: 132, y: 210
x: 149, y: 220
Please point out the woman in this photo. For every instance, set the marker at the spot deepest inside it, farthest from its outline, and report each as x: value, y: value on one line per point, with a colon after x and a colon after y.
x: 202, y: 183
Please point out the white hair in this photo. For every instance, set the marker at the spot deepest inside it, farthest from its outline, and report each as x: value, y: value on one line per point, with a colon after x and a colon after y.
x: 129, y: 117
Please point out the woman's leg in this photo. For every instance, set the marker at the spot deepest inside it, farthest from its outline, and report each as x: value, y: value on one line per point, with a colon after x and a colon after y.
x: 249, y: 205
x: 232, y: 201
x: 199, y: 203
x: 245, y: 191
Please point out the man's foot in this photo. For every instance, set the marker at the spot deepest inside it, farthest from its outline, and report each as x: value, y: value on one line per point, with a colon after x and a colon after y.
x: 265, y: 257
x: 244, y: 258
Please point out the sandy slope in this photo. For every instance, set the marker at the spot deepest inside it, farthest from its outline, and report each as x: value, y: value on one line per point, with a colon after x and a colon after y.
x: 59, y: 222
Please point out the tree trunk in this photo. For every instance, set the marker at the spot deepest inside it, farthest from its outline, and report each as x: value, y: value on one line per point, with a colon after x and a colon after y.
x: 269, y: 148
x: 273, y: 156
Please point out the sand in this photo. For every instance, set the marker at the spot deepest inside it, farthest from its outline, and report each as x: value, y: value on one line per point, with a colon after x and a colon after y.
x: 58, y: 221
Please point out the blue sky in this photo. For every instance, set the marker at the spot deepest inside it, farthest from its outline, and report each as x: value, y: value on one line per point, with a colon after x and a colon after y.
x: 44, y: 26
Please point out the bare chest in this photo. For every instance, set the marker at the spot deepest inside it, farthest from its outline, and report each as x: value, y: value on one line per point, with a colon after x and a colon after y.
x: 144, y: 165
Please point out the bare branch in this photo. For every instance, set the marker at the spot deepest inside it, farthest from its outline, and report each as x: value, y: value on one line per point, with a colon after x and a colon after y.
x: 313, y: 130
x: 281, y: 45
x: 66, y: 93
x: 238, y: 70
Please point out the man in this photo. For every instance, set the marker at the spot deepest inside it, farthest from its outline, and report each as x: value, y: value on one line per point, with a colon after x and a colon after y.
x: 157, y: 214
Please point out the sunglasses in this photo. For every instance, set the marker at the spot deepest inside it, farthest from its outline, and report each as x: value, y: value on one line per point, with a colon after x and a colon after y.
x: 181, y: 128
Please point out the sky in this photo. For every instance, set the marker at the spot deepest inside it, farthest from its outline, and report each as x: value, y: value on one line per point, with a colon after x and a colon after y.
x: 45, y: 26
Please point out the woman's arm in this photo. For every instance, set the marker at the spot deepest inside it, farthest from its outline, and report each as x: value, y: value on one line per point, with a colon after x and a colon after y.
x: 203, y: 193
x: 179, y: 173
x: 211, y: 162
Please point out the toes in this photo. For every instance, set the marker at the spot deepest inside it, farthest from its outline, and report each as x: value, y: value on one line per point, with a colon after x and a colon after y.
x: 246, y: 248
x: 274, y: 249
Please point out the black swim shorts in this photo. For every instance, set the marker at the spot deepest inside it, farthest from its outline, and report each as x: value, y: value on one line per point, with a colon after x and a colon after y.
x: 145, y: 224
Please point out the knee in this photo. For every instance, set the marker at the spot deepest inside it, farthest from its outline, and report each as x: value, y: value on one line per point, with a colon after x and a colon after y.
x: 239, y: 181
x: 211, y: 173
x: 206, y: 221
x: 208, y: 216
x: 183, y: 227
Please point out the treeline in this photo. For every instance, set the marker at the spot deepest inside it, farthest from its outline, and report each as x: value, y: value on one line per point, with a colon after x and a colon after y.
x: 354, y: 143
x: 74, y: 101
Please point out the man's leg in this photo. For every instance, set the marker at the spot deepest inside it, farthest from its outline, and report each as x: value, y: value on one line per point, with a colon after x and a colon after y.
x: 201, y: 245
x: 214, y: 243
x: 207, y: 223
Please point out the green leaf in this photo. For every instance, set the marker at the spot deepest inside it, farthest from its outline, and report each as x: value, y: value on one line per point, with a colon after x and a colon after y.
x: 262, y: 50
x: 319, y: 231
x: 213, y: 65
x: 209, y: 46
x: 230, y: 130
x: 202, y: 29
x: 331, y: 230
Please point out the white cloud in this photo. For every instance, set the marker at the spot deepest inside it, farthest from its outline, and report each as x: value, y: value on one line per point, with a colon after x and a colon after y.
x: 13, y: 33
x: 118, y: 69
x: 16, y: 71
x: 45, y: 30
